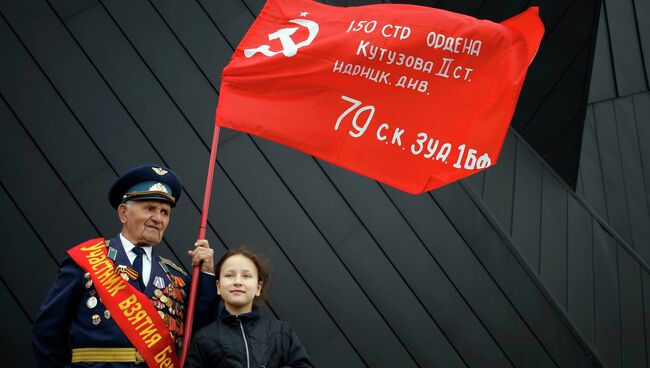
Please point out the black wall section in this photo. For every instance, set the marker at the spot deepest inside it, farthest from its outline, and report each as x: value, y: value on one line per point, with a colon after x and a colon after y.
x: 614, y: 173
x: 507, y: 269
x: 591, y: 275
x: 551, y: 111
x: 17, y: 331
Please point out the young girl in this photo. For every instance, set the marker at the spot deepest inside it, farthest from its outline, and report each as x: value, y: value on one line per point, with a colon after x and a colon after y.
x: 240, y: 337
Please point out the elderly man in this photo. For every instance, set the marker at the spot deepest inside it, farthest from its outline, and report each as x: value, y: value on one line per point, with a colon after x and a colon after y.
x: 117, y: 302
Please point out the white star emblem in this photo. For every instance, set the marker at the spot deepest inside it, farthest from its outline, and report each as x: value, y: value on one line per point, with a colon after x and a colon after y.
x: 303, y: 14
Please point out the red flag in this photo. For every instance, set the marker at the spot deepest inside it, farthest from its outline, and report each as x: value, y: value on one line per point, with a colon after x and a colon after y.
x: 411, y: 96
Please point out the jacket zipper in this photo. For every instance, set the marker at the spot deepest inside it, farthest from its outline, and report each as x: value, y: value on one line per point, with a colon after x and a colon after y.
x: 248, y: 358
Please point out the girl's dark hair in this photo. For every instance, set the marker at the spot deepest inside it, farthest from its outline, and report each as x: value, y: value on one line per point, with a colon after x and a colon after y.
x: 260, y: 264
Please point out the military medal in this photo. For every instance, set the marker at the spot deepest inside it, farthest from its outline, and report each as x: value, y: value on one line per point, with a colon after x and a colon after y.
x: 164, y: 267
x: 167, y: 262
x: 133, y: 274
x: 87, y: 275
x: 96, y: 319
x: 121, y: 270
x: 126, y: 272
x: 159, y: 282
x: 91, y: 302
x: 156, y: 299
x: 172, y: 325
x: 112, y: 253
x: 89, y: 284
x: 107, y: 314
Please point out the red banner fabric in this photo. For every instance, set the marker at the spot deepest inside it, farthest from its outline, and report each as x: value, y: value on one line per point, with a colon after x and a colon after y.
x: 414, y: 97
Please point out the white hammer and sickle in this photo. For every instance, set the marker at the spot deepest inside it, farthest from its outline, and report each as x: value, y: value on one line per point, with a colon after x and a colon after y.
x: 289, y: 48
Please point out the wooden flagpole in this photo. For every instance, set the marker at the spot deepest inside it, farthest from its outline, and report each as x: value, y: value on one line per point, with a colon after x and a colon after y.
x: 189, y: 319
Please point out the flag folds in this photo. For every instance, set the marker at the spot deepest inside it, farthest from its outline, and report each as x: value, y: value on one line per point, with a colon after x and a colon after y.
x: 411, y: 96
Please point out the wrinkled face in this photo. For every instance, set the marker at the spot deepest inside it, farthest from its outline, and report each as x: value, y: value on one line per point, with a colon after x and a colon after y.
x: 144, y: 222
x: 238, y: 284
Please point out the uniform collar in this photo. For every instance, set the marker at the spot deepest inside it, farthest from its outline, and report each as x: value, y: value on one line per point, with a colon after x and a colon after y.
x: 128, y: 246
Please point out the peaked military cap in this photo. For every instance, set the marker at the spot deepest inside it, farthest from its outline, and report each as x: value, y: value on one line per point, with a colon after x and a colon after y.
x: 149, y: 182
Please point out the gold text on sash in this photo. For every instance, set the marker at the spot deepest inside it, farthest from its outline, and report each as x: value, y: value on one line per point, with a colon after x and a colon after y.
x: 130, y: 306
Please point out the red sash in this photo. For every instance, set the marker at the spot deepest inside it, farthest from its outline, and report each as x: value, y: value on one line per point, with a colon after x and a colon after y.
x: 131, y: 310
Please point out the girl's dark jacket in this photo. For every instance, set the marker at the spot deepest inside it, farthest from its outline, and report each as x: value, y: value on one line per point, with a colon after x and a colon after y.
x: 247, y: 340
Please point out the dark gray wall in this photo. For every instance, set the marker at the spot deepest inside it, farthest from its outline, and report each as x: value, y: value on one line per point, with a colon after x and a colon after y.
x: 368, y: 276
x: 598, y: 282
x: 614, y: 173
x: 591, y: 248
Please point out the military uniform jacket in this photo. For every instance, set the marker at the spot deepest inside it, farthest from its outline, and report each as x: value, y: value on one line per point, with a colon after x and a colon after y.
x: 68, y: 320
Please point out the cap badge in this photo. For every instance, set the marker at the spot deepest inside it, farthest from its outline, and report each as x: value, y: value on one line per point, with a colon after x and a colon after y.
x: 158, y: 187
x: 159, y: 171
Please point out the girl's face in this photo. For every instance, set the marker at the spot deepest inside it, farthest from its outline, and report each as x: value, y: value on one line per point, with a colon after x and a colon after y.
x: 238, y: 284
